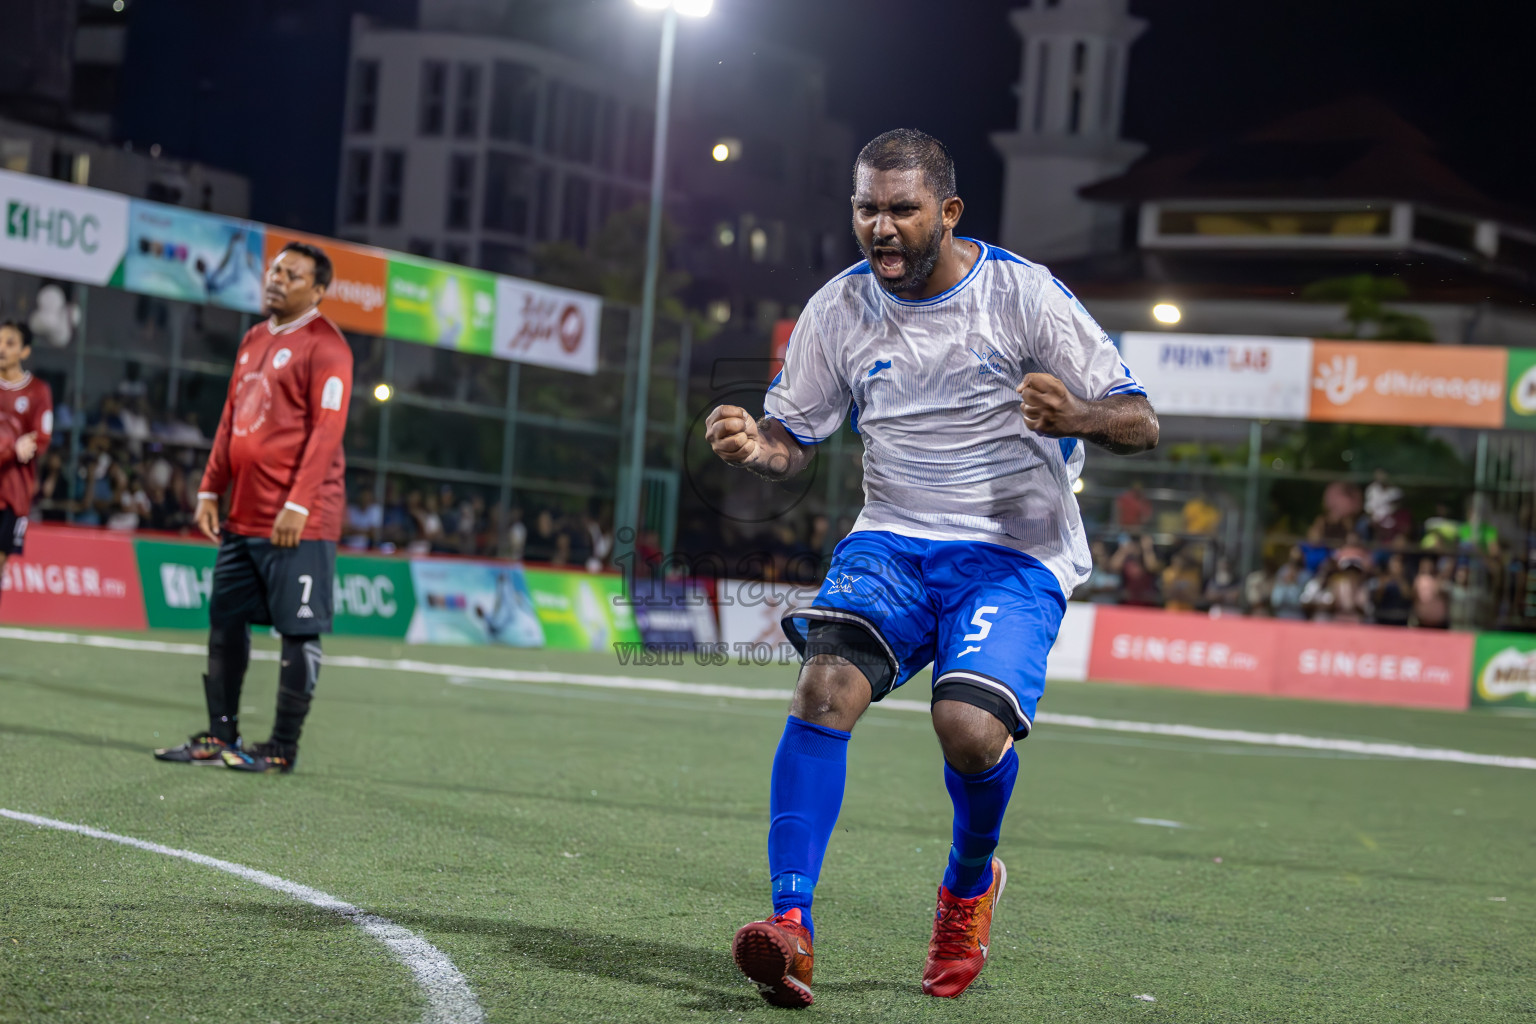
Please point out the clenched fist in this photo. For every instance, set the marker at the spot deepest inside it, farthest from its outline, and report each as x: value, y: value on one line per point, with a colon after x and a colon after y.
x: 732, y: 434
x: 1048, y: 407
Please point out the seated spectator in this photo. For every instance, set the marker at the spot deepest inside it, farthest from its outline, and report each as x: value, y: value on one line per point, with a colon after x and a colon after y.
x: 1381, y: 499
x: 1348, y: 599
x: 1316, y: 599
x: 1256, y: 590
x: 365, y: 520
x: 1181, y: 583
x: 1431, y: 602
x: 517, y: 534
x: 1138, y: 587
x: 1392, y: 594
x: 1103, y: 585
x: 540, y: 545
x: 1285, y: 596
x: 1132, y: 508
x: 1201, y: 517
x: 1224, y: 592
x: 1314, y: 550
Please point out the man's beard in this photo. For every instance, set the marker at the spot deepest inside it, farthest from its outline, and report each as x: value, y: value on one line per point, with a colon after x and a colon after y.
x: 920, y: 262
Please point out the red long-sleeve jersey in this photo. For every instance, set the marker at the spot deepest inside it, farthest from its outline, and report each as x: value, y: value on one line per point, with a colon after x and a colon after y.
x: 26, y: 407
x: 279, y: 439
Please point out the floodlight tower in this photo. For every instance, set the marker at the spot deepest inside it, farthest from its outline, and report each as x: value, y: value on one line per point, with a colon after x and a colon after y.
x: 628, y: 515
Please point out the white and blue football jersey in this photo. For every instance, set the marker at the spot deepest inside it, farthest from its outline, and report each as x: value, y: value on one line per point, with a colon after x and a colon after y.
x: 930, y: 388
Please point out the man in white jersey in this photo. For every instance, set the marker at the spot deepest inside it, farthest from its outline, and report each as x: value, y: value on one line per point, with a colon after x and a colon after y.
x: 972, y: 376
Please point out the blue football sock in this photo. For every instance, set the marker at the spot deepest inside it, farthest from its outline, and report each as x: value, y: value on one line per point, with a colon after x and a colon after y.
x: 804, y: 798
x: 980, y: 801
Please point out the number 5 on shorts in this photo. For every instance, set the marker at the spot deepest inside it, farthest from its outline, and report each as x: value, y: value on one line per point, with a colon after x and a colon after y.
x: 980, y: 619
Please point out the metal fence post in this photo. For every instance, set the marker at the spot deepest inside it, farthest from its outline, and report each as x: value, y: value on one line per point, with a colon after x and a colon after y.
x: 1249, y: 559
x: 77, y: 401
x: 508, y: 440
x: 381, y: 469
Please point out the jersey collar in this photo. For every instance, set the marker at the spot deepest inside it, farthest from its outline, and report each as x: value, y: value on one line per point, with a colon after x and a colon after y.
x: 16, y: 385
x: 952, y: 290
x: 295, y: 324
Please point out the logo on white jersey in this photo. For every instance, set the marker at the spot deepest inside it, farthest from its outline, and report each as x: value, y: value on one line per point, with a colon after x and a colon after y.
x: 991, y: 361
x: 281, y: 359
x: 23, y: 404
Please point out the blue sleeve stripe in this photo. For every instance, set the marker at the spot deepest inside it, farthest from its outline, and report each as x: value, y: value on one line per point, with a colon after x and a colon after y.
x: 1127, y: 389
x: 797, y: 437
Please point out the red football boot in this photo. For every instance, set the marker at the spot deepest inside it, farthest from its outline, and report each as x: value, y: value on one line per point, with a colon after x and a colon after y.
x: 776, y: 954
x: 962, y: 930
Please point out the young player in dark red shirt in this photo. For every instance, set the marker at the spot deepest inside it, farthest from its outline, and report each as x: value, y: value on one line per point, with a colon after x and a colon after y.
x: 26, y: 426
x: 278, y: 452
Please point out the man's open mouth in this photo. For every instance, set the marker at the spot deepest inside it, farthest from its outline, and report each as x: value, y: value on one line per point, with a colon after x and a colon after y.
x: 890, y: 262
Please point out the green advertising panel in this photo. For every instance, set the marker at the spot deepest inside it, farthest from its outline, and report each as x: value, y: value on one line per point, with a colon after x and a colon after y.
x: 1521, y: 414
x: 374, y: 596
x: 1504, y: 670
x: 581, y: 611
x: 440, y: 304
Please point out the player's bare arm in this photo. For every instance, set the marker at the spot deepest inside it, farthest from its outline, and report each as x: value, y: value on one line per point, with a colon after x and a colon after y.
x: 207, y: 518
x: 762, y: 446
x: 1123, y: 424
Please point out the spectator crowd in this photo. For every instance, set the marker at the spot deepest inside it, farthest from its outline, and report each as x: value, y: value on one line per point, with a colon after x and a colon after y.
x: 1363, y: 559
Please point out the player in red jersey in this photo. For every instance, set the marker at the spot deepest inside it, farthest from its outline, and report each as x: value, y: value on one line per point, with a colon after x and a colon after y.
x: 26, y: 426
x: 278, y: 452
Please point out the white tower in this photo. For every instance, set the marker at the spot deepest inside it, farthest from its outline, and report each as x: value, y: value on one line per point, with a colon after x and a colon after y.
x: 1071, y: 90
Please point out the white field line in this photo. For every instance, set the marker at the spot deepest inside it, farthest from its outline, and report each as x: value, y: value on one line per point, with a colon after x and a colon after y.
x: 449, y: 999
x: 455, y: 673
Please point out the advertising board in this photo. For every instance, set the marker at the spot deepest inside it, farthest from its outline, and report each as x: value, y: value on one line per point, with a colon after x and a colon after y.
x: 463, y: 602
x: 72, y: 577
x: 750, y: 610
x: 547, y: 326
x: 1415, y: 385
x: 580, y: 611
x: 59, y: 230
x: 175, y: 253
x: 355, y: 299
x: 1504, y: 670
x: 674, y: 613
x: 1214, y: 375
x: 440, y: 304
x: 373, y: 596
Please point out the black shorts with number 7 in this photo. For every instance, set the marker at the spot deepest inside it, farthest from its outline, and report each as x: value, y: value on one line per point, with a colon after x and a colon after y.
x: 289, y: 589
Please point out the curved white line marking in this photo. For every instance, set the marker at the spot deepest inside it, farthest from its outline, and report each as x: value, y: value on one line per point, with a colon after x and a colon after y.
x: 449, y: 999
x: 464, y: 674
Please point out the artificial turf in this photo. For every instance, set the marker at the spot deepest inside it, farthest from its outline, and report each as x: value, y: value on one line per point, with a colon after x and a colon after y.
x: 585, y: 854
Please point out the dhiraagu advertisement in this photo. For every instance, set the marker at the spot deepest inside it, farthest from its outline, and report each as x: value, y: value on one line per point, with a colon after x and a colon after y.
x: 439, y: 304
x: 581, y: 611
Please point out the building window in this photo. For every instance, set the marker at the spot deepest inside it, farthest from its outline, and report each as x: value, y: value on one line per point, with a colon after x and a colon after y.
x: 391, y: 186
x: 456, y: 252
x: 757, y: 244
x: 514, y: 102
x: 1042, y: 68
x: 638, y: 135
x: 574, y: 207
x: 365, y: 96
x: 500, y: 258
x: 419, y: 247
x: 507, y: 181
x: 466, y: 110
x: 358, y: 177
x: 461, y: 188
x: 543, y: 204
x: 1075, y: 109
x: 1107, y: 100
x: 434, y: 97
x: 607, y: 134
x: 570, y: 122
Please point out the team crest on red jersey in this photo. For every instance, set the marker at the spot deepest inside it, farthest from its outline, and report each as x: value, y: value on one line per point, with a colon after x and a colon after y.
x: 252, y: 405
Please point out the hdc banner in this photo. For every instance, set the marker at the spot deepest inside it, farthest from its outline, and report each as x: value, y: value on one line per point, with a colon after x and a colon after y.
x: 64, y: 231
x: 374, y: 596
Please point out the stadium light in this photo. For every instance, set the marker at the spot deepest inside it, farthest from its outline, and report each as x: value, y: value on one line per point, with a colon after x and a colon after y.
x: 383, y: 393
x: 721, y: 152
x: 1167, y: 313
x: 630, y: 514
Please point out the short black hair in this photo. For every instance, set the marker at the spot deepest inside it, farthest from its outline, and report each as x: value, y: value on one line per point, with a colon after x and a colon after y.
x: 903, y: 149
x: 21, y: 329
x: 314, y: 252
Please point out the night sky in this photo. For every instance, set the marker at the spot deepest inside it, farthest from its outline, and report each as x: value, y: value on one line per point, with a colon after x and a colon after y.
x: 1205, y: 68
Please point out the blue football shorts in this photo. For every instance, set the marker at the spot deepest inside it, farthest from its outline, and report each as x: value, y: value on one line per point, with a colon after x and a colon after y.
x: 985, y: 616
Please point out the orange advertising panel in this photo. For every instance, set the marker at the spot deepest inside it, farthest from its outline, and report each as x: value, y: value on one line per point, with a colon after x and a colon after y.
x: 1416, y: 385
x: 355, y: 299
